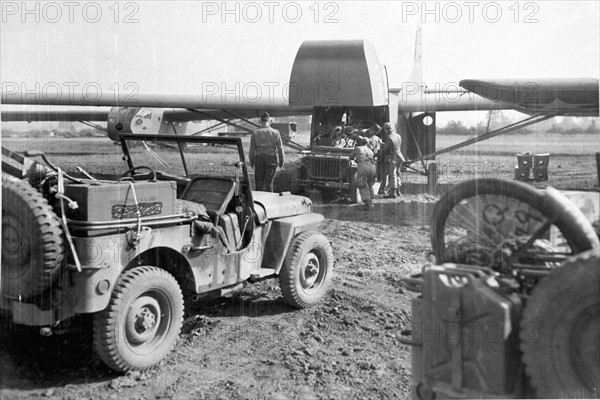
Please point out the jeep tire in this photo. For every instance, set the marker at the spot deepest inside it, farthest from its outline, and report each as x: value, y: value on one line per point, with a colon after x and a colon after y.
x: 560, y: 330
x: 32, y: 241
x: 142, y: 321
x: 307, y: 270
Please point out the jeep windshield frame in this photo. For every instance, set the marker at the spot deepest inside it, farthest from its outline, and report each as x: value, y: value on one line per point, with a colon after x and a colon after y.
x: 182, y: 143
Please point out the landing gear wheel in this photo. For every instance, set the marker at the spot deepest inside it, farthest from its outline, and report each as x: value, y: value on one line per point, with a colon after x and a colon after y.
x: 560, y: 330
x: 307, y: 270
x: 505, y: 225
x: 141, y: 323
x: 32, y: 241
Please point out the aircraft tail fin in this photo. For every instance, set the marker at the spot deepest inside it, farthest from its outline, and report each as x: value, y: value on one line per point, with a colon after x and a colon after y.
x: 416, y: 74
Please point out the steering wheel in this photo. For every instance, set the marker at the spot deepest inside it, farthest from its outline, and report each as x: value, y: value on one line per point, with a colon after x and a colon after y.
x: 151, y: 176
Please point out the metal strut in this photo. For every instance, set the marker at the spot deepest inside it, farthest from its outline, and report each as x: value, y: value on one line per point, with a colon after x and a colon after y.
x: 224, y: 121
x: 210, y: 128
x: 412, y: 134
x: 505, y: 129
x: 242, y: 118
x: 93, y: 125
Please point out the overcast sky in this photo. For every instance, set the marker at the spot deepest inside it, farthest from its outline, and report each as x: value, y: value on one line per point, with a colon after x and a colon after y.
x: 177, y: 47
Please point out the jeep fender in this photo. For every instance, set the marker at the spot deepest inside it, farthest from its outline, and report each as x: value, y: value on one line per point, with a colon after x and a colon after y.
x: 283, y: 230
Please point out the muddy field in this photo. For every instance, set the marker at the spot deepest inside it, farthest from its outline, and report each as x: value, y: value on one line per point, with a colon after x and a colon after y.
x: 249, y: 345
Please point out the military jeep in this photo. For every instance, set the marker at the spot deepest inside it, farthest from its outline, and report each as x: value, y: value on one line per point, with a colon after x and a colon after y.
x: 326, y: 166
x: 178, y: 219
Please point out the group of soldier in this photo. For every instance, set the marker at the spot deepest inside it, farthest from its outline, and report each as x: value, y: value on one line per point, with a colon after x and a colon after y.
x: 377, y: 153
x: 378, y: 158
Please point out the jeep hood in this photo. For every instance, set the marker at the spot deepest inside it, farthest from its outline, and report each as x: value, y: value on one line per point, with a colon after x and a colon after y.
x: 277, y: 205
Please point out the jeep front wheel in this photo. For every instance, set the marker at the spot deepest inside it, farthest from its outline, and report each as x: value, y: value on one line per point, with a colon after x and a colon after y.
x: 141, y: 323
x: 307, y: 270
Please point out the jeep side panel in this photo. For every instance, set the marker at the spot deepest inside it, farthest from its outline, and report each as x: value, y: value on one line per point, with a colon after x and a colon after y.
x: 283, y: 230
x: 218, y: 267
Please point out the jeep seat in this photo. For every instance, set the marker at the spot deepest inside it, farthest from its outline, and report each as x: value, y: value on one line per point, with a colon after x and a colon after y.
x: 214, y: 193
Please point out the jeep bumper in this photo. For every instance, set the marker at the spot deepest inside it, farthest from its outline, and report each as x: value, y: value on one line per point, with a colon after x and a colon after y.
x: 305, y: 184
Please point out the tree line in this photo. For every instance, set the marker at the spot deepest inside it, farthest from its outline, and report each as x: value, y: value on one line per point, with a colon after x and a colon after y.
x: 564, y: 127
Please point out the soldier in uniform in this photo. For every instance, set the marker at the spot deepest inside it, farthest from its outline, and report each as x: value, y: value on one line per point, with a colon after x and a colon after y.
x: 380, y: 164
x: 265, y: 147
x: 393, y: 159
x: 365, y: 173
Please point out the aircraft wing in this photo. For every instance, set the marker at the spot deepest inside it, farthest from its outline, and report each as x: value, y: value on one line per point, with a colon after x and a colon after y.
x: 49, y: 114
x: 410, y: 101
x: 559, y: 96
x: 100, y: 114
x: 201, y: 101
x: 143, y: 113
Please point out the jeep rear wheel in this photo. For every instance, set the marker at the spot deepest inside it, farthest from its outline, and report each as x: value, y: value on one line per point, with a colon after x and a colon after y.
x: 141, y: 323
x: 32, y: 243
x: 307, y: 270
x: 560, y: 330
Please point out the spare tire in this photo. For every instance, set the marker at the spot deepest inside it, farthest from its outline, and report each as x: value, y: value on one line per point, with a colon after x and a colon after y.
x: 560, y: 330
x: 32, y: 241
x: 462, y: 209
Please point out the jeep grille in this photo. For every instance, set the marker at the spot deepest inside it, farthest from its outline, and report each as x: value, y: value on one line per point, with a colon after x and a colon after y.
x: 325, y: 168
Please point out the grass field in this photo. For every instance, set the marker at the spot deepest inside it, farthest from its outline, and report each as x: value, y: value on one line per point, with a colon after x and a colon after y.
x: 572, y: 164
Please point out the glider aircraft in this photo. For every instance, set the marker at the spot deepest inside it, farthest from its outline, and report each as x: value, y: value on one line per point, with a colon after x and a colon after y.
x: 349, y: 80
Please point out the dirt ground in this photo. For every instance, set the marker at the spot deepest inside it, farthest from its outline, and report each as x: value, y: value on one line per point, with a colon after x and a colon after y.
x: 250, y: 345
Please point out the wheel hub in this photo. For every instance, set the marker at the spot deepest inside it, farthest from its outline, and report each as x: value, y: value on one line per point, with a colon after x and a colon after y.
x: 143, y: 320
x: 311, y: 271
x: 15, y: 246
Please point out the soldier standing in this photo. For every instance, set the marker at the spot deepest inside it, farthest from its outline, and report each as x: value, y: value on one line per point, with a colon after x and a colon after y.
x: 393, y: 159
x: 365, y: 173
x: 380, y: 164
x: 265, y: 146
